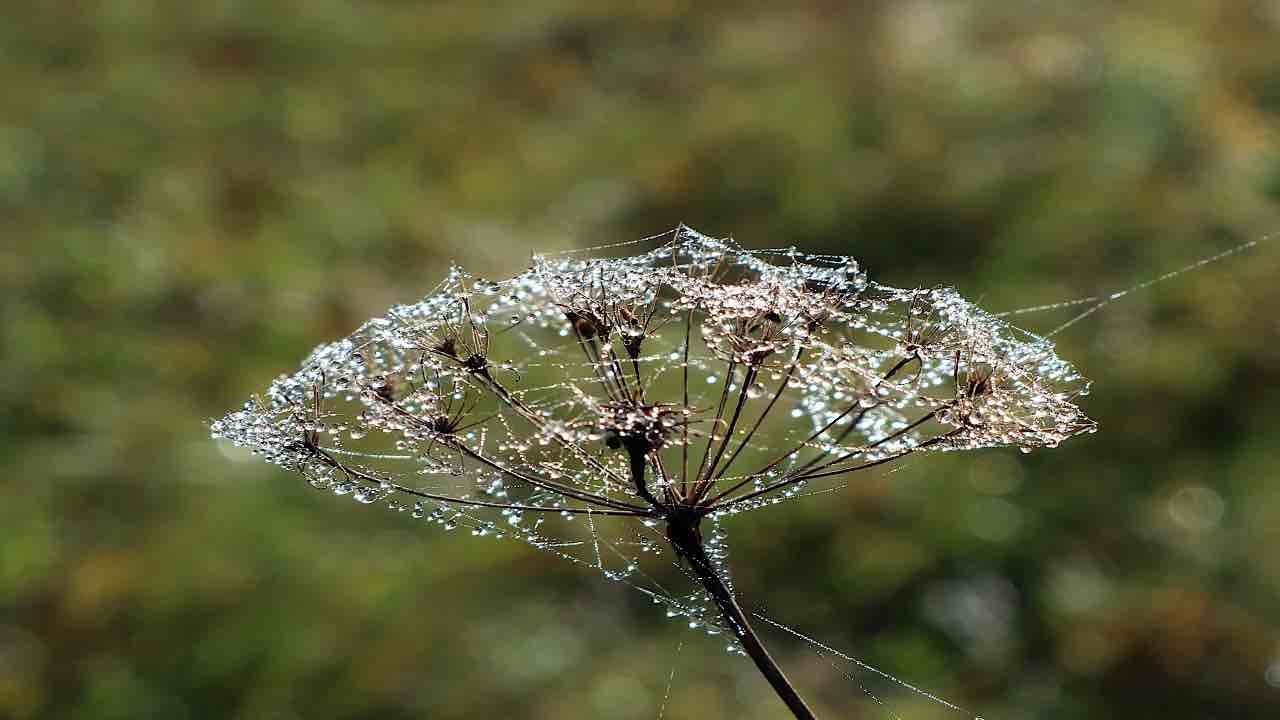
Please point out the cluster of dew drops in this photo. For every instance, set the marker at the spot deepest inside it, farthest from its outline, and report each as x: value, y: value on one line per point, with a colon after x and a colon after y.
x: 993, y: 384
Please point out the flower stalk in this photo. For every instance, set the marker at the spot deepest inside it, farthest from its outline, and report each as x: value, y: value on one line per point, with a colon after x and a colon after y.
x: 687, y: 540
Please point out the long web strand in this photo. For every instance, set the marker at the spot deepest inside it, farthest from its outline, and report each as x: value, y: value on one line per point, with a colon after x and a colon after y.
x: 857, y: 681
x: 1101, y: 301
x: 670, y: 678
x: 865, y: 666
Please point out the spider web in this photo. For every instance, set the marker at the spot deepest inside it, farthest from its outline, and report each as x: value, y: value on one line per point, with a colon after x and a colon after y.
x: 750, y: 377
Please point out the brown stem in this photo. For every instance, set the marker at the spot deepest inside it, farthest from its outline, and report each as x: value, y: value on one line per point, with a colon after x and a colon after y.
x: 638, y: 455
x: 763, y: 414
x: 707, y: 481
x: 852, y: 406
x: 711, y: 436
x: 687, y: 541
x: 841, y: 471
x: 684, y: 445
x: 804, y: 472
x: 511, y: 401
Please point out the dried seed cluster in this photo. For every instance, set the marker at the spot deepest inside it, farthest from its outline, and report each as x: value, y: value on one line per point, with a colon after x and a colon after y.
x: 695, y: 380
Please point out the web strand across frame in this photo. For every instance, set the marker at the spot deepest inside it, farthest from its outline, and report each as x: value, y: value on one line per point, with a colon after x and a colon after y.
x: 1098, y: 302
x: 671, y: 677
x: 823, y: 649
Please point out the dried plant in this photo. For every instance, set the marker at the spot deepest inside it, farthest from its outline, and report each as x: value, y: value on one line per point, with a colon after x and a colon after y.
x: 614, y: 411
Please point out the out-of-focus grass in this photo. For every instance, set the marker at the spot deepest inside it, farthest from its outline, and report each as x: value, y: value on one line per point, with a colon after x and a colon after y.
x: 195, y: 195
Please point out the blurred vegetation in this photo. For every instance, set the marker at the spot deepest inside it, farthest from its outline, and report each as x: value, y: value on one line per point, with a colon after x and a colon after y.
x: 195, y: 194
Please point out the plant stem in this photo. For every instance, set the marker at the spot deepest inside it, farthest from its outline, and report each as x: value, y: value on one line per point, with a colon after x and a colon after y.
x: 687, y: 540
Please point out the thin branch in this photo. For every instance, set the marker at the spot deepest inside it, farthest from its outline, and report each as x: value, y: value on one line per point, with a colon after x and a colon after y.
x: 548, y: 484
x: 455, y: 443
x: 853, y: 425
x: 763, y: 414
x: 356, y: 472
x: 797, y: 476
x: 706, y: 482
x: 817, y: 433
x: 684, y: 447
x: 536, y: 420
x: 784, y: 482
x: 711, y: 436
x: 887, y: 438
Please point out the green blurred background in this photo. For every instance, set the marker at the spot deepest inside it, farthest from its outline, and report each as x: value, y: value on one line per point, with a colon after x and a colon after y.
x: 194, y: 195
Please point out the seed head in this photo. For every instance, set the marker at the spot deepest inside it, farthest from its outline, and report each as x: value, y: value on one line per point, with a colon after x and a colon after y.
x: 733, y: 378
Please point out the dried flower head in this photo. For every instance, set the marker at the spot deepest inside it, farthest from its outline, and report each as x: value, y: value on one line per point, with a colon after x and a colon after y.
x: 603, y: 409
